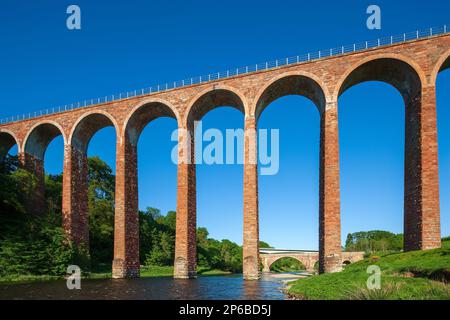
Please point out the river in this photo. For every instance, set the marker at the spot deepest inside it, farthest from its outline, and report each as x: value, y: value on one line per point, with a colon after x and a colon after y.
x: 229, y: 287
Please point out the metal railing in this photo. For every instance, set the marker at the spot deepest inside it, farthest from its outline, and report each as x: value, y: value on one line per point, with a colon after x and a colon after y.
x: 381, y: 42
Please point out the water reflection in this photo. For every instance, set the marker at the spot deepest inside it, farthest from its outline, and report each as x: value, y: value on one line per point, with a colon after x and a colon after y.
x: 231, y: 287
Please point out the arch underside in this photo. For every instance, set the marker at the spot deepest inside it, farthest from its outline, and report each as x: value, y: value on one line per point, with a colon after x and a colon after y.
x: 143, y: 116
x: 445, y: 65
x: 291, y: 85
x: 211, y: 100
x: 7, y: 141
x: 395, y: 72
x: 39, y: 139
x: 87, y: 128
x: 303, y: 263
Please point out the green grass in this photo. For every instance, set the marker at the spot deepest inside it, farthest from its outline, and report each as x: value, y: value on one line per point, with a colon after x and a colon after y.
x: 156, y: 271
x: 211, y: 272
x: 25, y: 278
x: 407, y: 276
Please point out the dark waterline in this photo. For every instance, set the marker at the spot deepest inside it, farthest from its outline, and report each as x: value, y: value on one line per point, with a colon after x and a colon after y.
x: 231, y: 287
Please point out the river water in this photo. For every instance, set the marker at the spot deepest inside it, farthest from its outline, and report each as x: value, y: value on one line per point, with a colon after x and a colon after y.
x: 230, y: 287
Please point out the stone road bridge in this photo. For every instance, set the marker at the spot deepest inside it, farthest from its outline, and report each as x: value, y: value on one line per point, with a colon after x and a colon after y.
x: 411, y: 67
x: 308, y: 258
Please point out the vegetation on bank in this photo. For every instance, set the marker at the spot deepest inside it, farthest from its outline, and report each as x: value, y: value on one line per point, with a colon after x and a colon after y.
x: 374, y: 241
x: 407, y: 276
x: 35, y: 247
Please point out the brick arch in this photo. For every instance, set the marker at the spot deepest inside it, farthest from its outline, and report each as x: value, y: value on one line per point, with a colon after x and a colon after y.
x: 219, y: 95
x: 40, y: 136
x: 290, y: 83
x: 442, y: 64
x: 393, y: 69
x: 89, y: 124
x: 144, y: 113
x: 7, y: 140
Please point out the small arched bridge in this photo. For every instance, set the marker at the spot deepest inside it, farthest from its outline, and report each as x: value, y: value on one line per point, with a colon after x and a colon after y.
x: 308, y: 258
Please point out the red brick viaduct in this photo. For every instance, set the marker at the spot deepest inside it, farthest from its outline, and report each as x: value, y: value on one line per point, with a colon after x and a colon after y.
x: 411, y: 67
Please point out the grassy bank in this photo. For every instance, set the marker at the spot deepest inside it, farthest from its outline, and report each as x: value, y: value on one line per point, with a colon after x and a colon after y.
x: 104, y: 272
x: 408, y: 276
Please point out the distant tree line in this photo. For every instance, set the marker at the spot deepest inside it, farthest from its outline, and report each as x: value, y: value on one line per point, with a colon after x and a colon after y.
x: 374, y: 241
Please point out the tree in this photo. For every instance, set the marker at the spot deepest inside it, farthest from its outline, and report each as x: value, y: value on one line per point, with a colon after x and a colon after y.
x: 101, y: 211
x: 376, y: 240
x: 263, y: 244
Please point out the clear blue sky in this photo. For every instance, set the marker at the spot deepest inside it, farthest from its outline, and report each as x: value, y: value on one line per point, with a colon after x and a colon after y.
x: 124, y: 45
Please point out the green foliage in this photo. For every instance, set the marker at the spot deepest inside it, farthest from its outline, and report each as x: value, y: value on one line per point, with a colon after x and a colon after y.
x: 405, y: 276
x: 16, y: 185
x: 213, y: 254
x: 101, y: 211
x: 36, y: 247
x: 157, y: 241
x: 28, y: 244
x: 287, y: 265
x: 374, y: 241
x: 263, y: 244
x: 157, y: 237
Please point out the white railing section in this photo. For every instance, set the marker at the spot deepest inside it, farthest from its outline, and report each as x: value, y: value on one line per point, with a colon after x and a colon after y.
x: 381, y: 42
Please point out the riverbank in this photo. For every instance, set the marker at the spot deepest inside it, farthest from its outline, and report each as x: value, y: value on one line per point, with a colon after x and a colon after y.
x: 418, y: 275
x: 104, y: 273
